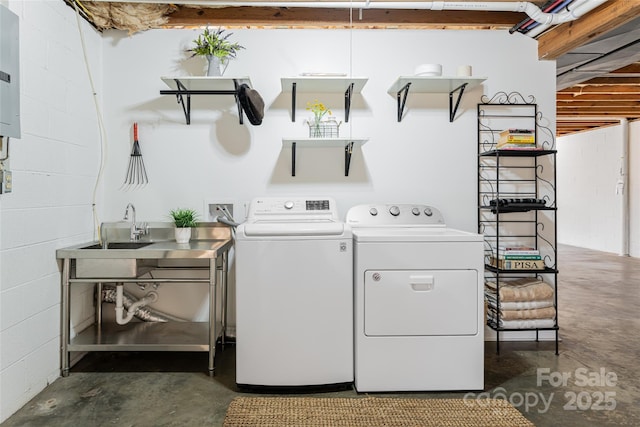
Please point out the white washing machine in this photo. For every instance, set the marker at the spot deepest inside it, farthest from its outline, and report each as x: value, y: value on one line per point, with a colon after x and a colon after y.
x: 418, y: 301
x: 294, y: 294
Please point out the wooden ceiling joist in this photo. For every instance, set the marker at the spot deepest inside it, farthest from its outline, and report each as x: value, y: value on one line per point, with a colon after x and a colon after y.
x: 323, y: 17
x: 609, y: 112
x: 567, y: 123
x: 629, y: 69
x: 586, y: 106
x: 590, y: 104
x: 588, y: 97
x: 611, y: 89
x: 569, y: 126
x: 626, y: 81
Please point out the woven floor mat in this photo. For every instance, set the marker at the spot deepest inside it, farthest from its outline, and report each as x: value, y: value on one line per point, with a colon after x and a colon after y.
x: 371, y: 412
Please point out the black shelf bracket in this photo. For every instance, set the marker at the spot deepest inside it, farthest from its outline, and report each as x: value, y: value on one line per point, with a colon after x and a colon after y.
x: 347, y: 101
x: 453, y: 109
x: 180, y: 98
x: 401, y: 99
x: 236, y: 86
x: 402, y: 94
x: 181, y: 92
x: 293, y: 101
x: 348, y: 150
x: 293, y: 158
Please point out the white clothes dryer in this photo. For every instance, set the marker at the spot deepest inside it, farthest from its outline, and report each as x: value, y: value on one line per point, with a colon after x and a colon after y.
x: 294, y: 294
x: 418, y: 301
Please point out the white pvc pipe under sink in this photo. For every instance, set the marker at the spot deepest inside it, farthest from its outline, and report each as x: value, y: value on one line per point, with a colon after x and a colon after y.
x: 120, y: 318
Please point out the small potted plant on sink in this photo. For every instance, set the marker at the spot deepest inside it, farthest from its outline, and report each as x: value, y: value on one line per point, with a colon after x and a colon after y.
x: 184, y: 220
x: 216, y: 47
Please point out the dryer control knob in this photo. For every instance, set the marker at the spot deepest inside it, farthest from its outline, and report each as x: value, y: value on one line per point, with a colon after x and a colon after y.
x: 373, y: 211
x: 415, y: 211
x: 288, y: 204
x: 394, y: 210
x: 428, y: 212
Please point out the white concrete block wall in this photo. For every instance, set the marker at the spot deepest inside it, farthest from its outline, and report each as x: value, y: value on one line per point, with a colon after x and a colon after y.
x: 634, y: 188
x: 589, y: 200
x: 54, y: 166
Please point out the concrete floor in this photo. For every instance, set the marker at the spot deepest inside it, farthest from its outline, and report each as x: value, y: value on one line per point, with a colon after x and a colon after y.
x: 599, y: 296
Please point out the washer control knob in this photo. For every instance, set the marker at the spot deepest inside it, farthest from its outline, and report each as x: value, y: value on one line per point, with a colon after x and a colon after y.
x: 373, y: 211
x: 415, y: 211
x: 394, y: 210
x: 428, y: 212
x: 288, y: 204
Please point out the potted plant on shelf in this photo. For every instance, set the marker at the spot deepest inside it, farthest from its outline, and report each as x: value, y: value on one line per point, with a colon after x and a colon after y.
x: 216, y: 47
x: 184, y: 220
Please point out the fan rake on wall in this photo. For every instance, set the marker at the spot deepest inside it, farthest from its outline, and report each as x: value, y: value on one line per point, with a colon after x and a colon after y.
x: 136, y: 173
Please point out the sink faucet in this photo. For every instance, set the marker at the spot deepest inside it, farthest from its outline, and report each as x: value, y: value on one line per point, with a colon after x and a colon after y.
x: 136, y: 231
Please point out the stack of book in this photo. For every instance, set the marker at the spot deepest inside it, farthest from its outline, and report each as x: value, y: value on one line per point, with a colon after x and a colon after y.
x: 518, y: 258
x: 517, y: 139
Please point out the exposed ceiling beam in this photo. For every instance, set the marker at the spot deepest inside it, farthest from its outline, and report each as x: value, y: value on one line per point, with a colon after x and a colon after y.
x: 598, y: 104
x: 618, y: 81
x: 629, y: 69
x: 587, y: 97
x: 566, y: 37
x: 607, y: 112
x: 318, y: 17
x: 611, y: 89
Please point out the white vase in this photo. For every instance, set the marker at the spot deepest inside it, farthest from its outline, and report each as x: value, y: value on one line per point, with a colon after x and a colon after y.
x: 216, y: 66
x: 183, y: 235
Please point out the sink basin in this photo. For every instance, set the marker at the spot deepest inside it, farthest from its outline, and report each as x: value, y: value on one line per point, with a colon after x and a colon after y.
x: 120, y: 245
x: 125, y: 267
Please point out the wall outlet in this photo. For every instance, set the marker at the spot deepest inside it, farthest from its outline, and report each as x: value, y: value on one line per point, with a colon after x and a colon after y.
x: 214, y: 209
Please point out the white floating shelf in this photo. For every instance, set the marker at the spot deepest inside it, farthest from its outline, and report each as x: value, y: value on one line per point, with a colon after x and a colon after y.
x: 323, y: 83
x: 185, y: 86
x: 434, y: 84
x: 323, y: 142
x: 197, y: 83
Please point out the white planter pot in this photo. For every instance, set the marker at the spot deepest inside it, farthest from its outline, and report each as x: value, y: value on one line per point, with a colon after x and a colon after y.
x: 216, y: 66
x: 183, y: 235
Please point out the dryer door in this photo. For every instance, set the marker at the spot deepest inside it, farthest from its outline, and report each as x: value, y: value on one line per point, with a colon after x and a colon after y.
x: 421, y: 302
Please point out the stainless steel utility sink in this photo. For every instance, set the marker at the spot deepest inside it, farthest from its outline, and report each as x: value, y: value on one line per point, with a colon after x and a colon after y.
x: 110, y: 266
x: 131, y: 259
x: 119, y: 245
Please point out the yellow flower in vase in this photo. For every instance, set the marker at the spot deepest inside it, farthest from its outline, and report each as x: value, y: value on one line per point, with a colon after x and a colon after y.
x: 319, y: 110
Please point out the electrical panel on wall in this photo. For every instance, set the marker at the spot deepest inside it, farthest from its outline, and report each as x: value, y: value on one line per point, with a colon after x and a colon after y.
x: 9, y: 75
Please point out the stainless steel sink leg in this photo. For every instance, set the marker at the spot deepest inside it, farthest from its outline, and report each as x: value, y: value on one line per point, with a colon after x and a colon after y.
x: 212, y: 314
x: 225, y: 294
x: 65, y: 329
x: 99, y: 305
